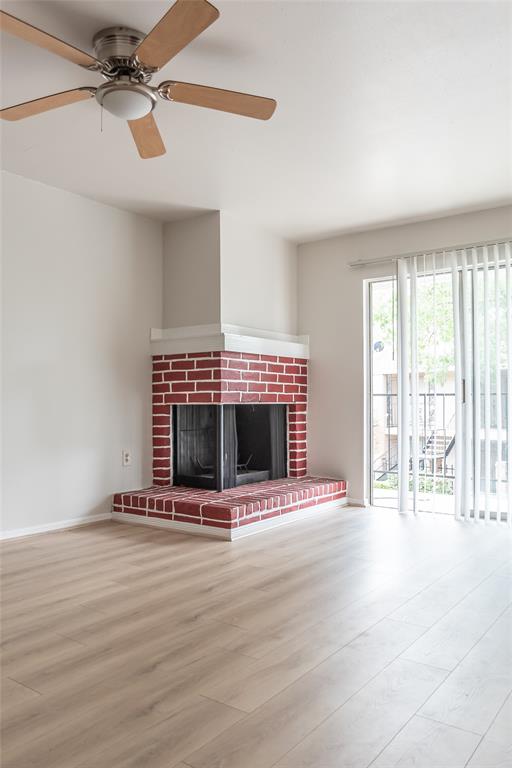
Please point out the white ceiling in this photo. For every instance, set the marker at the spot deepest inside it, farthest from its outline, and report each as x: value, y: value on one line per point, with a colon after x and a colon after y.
x: 386, y: 112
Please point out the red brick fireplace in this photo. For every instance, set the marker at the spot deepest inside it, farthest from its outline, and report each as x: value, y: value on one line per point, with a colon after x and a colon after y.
x: 228, y: 377
x: 225, y: 378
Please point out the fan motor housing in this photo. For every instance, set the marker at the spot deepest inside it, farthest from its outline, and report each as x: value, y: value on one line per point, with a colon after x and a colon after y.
x: 115, y: 47
x: 116, y: 42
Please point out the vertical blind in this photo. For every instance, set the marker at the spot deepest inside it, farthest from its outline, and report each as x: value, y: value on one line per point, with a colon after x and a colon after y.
x: 459, y: 360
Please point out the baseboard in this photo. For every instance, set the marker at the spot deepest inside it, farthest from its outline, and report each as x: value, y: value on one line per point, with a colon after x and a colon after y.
x: 358, y: 502
x: 217, y: 533
x: 173, y: 525
x: 227, y: 534
x: 59, y: 525
x: 291, y: 517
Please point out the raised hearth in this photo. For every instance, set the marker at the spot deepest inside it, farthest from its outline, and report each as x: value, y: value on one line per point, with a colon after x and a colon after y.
x: 231, y: 513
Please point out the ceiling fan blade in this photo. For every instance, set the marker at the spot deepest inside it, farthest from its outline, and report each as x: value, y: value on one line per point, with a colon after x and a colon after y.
x: 35, y: 107
x: 217, y: 98
x: 147, y: 137
x: 180, y: 25
x: 36, y: 36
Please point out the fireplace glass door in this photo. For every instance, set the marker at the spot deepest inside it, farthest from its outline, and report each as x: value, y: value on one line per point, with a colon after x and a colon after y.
x: 223, y: 446
x: 195, y: 445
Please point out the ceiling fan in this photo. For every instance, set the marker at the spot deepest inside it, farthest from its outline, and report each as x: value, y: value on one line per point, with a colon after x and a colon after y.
x: 127, y: 60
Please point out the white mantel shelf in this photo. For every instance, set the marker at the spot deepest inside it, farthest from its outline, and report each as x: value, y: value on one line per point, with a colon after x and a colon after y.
x: 227, y: 338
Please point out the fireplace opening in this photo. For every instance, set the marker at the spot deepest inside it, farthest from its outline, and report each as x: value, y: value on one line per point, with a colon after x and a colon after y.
x: 224, y: 446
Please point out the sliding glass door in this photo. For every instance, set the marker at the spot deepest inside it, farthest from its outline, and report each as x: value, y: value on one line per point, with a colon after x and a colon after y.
x: 435, y: 435
x: 440, y: 384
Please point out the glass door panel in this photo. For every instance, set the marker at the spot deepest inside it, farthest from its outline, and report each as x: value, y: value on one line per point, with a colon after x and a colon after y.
x: 383, y: 393
x: 436, y: 393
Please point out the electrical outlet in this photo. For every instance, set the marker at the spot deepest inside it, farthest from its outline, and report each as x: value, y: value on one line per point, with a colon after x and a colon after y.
x: 126, y: 458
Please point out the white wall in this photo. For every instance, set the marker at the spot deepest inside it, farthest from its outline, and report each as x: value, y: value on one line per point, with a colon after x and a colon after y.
x: 220, y: 268
x: 192, y: 271
x: 331, y: 311
x: 82, y: 287
x: 258, y: 277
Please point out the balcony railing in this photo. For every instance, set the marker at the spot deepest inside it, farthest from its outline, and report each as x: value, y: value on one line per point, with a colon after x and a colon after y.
x: 436, y: 436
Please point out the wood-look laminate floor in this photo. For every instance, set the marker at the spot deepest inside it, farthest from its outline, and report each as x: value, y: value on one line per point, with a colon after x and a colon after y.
x: 358, y: 638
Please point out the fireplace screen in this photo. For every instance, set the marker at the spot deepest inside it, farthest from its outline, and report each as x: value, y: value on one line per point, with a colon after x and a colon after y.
x: 222, y: 446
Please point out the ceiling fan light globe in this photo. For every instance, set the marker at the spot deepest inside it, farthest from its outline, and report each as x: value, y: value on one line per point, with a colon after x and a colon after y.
x: 127, y: 104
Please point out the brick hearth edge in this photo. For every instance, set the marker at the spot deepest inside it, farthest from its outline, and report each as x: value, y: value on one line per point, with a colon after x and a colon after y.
x: 230, y: 509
